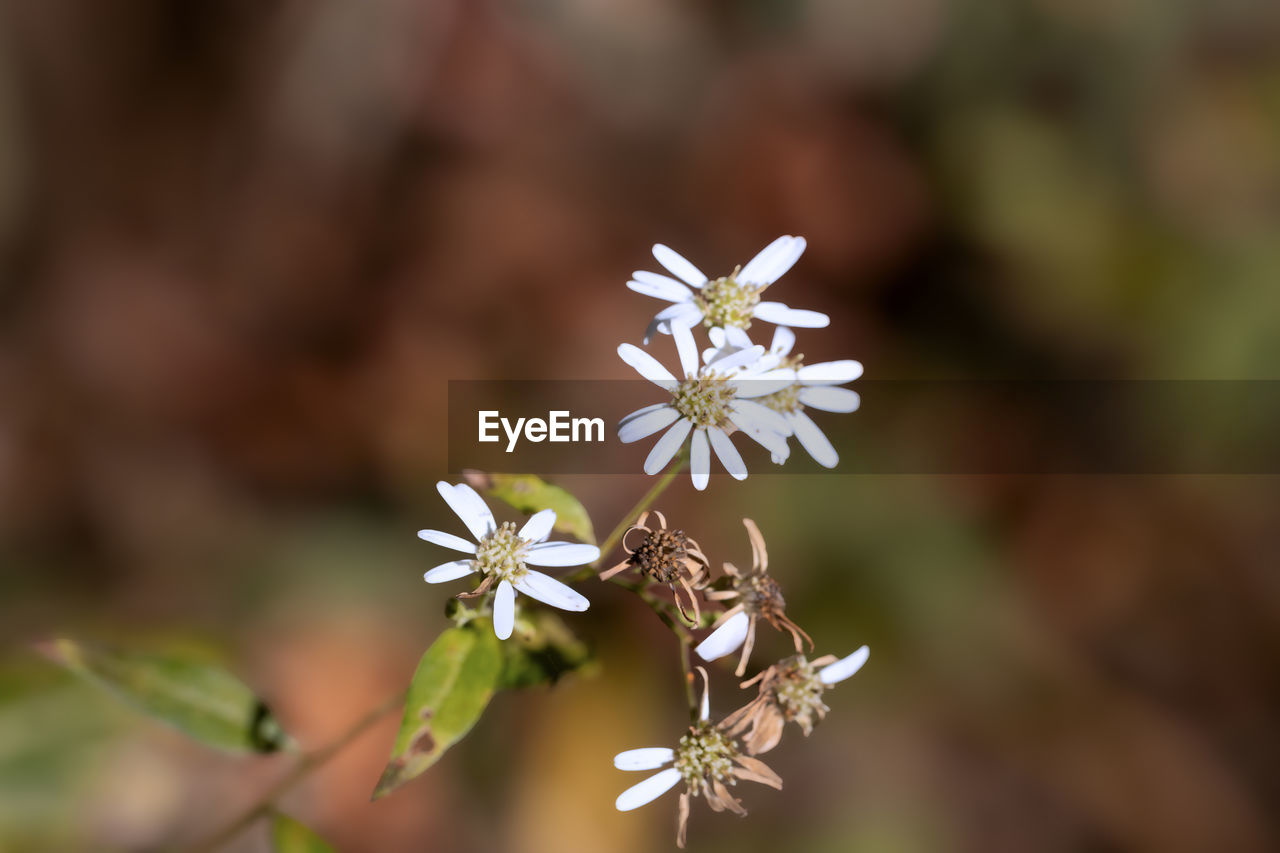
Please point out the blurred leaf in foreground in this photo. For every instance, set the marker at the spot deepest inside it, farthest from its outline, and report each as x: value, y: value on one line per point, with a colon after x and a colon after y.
x: 200, y: 699
x: 529, y: 494
x: 290, y: 836
x: 542, y: 654
x: 450, y: 689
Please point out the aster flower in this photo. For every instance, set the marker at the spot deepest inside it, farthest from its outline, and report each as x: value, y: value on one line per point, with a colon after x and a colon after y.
x: 706, y: 759
x: 503, y: 555
x: 666, y: 556
x: 758, y: 597
x: 790, y: 691
x: 731, y: 301
x: 707, y: 404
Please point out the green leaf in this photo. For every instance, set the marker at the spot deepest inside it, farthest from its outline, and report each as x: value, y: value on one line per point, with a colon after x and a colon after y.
x: 450, y: 689
x: 529, y: 494
x: 548, y: 651
x: 199, y: 699
x: 290, y: 836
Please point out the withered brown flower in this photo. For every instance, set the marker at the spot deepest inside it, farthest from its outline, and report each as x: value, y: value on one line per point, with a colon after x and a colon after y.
x: 667, y: 556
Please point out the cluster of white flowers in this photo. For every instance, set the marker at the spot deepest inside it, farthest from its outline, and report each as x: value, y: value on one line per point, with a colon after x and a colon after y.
x: 736, y: 385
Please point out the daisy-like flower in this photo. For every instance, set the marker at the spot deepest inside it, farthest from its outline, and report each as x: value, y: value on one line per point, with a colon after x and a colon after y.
x: 667, y: 556
x: 758, y: 597
x: 706, y: 759
x: 707, y: 403
x: 731, y: 301
x: 790, y: 692
x: 503, y: 555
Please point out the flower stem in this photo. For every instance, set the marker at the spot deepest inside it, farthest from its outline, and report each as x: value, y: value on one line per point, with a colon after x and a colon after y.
x: 306, y: 765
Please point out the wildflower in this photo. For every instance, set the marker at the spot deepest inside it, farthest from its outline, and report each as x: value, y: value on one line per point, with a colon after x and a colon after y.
x: 706, y: 403
x: 503, y: 555
x: 790, y: 692
x: 706, y: 759
x: 758, y: 597
x: 729, y: 302
x: 667, y: 556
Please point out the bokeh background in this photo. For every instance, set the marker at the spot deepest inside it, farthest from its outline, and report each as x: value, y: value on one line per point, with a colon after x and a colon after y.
x: 243, y: 245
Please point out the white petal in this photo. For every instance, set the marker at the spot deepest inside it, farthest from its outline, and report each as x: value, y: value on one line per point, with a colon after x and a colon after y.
x: 681, y: 314
x: 753, y: 269
x: 717, y: 336
x: 548, y: 590
x: 830, y: 372
x: 447, y: 540
x: 749, y: 387
x: 726, y: 639
x: 646, y: 365
x: 813, y: 440
x: 687, y: 349
x: 647, y: 424
x: 644, y: 410
x: 773, y: 261
x: 727, y: 453
x: 648, y: 790
x: 748, y: 415
x: 741, y: 358
x: 736, y: 337
x: 561, y: 554
x: 829, y: 398
x: 538, y: 526
x: 776, y: 312
x: 699, y: 459
x: 648, y: 758
x: 469, y: 507
x: 448, y: 571
x: 784, y: 340
x: 667, y: 446
x: 678, y: 266
x: 504, y: 610
x: 659, y: 287
x: 842, y: 669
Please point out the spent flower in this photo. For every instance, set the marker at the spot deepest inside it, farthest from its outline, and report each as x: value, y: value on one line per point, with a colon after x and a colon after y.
x: 668, y: 556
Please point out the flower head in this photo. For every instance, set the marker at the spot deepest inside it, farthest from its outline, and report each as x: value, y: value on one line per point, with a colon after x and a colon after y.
x: 706, y: 759
x: 667, y: 556
x: 729, y: 302
x: 790, y: 691
x: 503, y: 554
x: 707, y: 403
x: 759, y: 597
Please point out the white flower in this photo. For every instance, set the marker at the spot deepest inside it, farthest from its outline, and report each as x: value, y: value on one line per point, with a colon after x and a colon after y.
x: 707, y: 403
x: 706, y: 759
x: 731, y: 301
x: 503, y: 555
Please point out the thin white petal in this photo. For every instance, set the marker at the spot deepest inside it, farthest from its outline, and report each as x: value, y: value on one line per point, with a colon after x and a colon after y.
x: 642, y: 411
x: 648, y: 758
x: 469, y: 507
x: 741, y: 358
x: 727, y: 638
x: 687, y: 349
x: 784, y: 340
x: 647, y: 424
x: 448, y: 572
x: 773, y: 261
x: 748, y: 415
x: 699, y: 459
x: 646, y: 365
x: 681, y: 314
x: 504, y: 610
x: 659, y: 287
x: 548, y: 590
x: 776, y: 312
x: 845, y: 667
x: 561, y: 554
x: 750, y: 387
x: 648, y: 790
x: 667, y: 446
x: 678, y: 266
x: 447, y: 540
x: 727, y: 453
x: 736, y: 337
x: 538, y: 526
x: 830, y: 372
x: 717, y: 337
x: 813, y: 440
x: 829, y: 398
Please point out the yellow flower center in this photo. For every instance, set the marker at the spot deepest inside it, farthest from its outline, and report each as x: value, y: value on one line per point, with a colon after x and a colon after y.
x: 501, y: 554
x: 727, y: 302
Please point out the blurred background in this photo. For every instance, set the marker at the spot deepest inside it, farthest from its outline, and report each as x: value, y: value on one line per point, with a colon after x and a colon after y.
x: 244, y: 245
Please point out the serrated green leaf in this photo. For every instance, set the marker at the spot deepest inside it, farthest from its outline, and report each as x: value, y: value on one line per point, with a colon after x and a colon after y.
x: 529, y: 494
x: 450, y: 689
x: 290, y: 836
x: 200, y: 699
x: 543, y: 653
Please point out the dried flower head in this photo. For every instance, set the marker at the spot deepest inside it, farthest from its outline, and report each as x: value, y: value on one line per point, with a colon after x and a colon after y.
x: 707, y: 759
x: 790, y: 691
x: 759, y: 597
x: 667, y: 556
